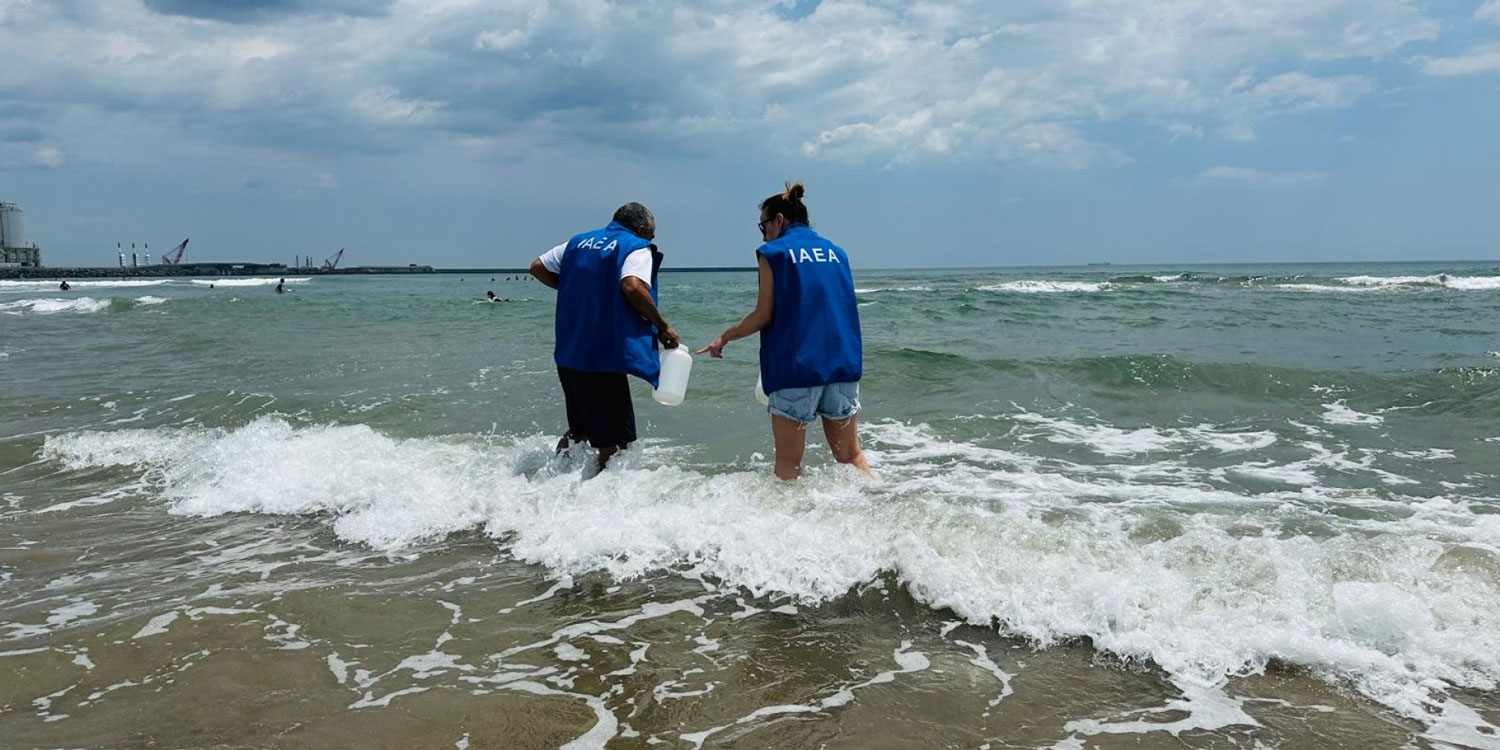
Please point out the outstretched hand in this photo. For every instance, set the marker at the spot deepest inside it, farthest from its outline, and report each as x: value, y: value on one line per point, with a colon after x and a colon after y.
x: 715, y: 349
x: 668, y: 337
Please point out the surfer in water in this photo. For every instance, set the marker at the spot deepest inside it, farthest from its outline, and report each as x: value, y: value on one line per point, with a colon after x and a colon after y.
x: 64, y: 286
x: 811, y: 351
x: 280, y: 288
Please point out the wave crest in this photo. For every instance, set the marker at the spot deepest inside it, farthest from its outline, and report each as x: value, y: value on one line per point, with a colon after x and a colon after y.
x: 52, y: 306
x: 1039, y: 286
x: 1173, y: 573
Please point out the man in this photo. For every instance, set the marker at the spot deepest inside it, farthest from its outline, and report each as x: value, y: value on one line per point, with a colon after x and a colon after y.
x: 607, y: 326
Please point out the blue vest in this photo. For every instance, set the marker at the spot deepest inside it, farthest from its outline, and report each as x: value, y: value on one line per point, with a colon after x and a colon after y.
x: 596, y: 329
x: 813, y: 338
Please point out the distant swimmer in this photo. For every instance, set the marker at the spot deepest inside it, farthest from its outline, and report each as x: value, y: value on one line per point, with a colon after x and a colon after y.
x: 64, y: 286
x: 490, y: 296
x: 811, y: 350
x: 607, y: 326
x: 280, y: 286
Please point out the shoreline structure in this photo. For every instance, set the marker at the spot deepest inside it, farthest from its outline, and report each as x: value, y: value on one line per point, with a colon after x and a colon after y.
x: 268, y: 269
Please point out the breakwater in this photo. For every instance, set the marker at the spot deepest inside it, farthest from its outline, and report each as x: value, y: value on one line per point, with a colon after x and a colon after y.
x: 198, y: 269
x: 268, y: 269
x: 665, y: 269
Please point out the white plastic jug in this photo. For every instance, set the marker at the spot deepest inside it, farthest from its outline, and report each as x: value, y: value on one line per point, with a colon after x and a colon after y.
x: 675, y: 366
x: 760, y: 392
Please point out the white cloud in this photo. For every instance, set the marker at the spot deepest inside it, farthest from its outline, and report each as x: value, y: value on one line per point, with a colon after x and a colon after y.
x: 386, y: 104
x: 500, y: 40
x: 1256, y: 178
x: 48, y: 156
x: 879, y: 80
x: 252, y: 49
x: 1477, y: 60
x: 1490, y: 11
x: 1181, y: 130
x: 1299, y: 92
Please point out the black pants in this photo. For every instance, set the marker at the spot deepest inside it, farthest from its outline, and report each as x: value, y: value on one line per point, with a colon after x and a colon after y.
x: 599, y: 407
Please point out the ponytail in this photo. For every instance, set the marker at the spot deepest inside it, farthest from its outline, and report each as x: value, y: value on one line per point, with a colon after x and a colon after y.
x: 788, y: 203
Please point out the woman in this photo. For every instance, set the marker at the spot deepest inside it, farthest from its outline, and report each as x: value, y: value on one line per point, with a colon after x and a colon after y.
x: 810, y: 348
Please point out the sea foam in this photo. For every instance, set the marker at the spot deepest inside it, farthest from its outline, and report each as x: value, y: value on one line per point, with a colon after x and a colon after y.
x: 875, y: 290
x: 50, y: 306
x: 1113, y: 441
x: 1464, y: 283
x: 1038, y: 286
x: 1328, y: 289
x: 973, y: 529
x: 42, y: 286
x: 255, y: 281
x: 1339, y: 412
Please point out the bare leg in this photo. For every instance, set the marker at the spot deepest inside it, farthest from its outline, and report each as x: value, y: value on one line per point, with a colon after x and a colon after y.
x: 843, y: 440
x: 790, y: 437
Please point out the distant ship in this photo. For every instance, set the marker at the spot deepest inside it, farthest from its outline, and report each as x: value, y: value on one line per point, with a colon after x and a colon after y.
x: 1098, y: 264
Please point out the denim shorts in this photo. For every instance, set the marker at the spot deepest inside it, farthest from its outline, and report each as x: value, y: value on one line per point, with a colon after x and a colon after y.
x: 836, y: 401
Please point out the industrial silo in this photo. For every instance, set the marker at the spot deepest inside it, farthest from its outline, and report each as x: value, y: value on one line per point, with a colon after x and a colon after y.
x: 11, y: 234
x: 14, y: 250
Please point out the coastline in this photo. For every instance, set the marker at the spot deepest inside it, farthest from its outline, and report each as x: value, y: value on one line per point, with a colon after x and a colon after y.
x: 198, y: 269
x: 273, y: 269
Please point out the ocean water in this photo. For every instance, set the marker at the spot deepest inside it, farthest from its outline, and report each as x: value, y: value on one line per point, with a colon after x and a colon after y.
x: 1201, y: 507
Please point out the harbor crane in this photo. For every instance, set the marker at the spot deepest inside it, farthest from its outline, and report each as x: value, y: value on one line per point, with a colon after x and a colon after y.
x: 175, y: 256
x: 333, y: 262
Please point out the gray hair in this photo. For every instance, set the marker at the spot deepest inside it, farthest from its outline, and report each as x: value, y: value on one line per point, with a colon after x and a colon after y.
x: 637, y: 219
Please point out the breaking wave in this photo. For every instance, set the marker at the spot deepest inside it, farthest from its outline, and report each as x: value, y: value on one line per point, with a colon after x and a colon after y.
x: 1153, y: 560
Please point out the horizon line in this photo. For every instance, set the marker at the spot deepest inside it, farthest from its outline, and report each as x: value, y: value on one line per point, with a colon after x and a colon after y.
x: 735, y: 269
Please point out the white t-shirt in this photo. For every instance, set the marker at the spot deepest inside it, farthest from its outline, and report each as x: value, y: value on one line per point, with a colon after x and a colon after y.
x: 637, y: 263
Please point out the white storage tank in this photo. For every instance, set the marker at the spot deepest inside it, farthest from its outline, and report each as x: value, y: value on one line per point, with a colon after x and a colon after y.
x: 11, y: 231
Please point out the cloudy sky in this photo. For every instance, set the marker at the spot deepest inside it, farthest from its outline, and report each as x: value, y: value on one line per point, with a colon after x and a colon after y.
x: 971, y: 132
